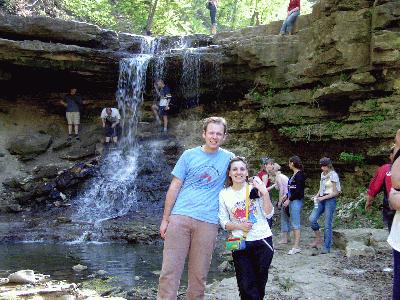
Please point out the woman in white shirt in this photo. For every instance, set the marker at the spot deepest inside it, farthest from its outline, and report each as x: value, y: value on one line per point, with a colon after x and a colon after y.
x: 252, y: 263
x: 394, y: 202
x: 281, y: 184
x: 325, y: 202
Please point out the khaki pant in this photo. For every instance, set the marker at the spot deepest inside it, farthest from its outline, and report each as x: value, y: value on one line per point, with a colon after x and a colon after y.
x: 185, y: 236
x: 73, y: 117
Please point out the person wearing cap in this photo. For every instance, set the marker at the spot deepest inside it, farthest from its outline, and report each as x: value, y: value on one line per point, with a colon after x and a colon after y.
x: 281, y: 184
x: 110, y: 119
x: 382, y: 182
x: 325, y: 200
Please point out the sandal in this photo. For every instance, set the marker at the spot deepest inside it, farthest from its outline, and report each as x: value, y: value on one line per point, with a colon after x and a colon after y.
x: 294, y: 251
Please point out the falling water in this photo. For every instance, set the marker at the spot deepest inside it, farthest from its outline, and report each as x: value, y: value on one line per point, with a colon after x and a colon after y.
x: 112, y: 193
x: 190, y: 81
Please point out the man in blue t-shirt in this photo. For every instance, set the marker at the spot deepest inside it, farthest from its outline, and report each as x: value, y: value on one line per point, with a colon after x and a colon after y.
x: 72, y: 102
x: 161, y: 108
x: 190, y: 220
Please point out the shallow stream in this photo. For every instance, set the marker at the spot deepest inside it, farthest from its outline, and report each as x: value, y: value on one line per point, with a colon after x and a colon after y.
x: 122, y: 262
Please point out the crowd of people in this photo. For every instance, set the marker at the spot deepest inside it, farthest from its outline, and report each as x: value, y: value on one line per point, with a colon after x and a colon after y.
x: 212, y: 186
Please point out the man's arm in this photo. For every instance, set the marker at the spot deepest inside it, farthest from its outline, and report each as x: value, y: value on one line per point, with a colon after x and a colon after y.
x: 170, y: 199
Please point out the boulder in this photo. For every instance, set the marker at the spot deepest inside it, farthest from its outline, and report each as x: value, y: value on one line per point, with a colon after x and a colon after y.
x: 355, y: 248
x: 363, y: 78
x: 29, y: 145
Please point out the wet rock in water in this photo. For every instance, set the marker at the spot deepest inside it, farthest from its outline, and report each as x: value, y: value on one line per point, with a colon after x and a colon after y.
x: 14, y: 208
x: 137, y: 278
x: 79, y: 268
x: 29, y: 146
x: 79, y: 153
x: 26, y: 276
x: 63, y: 220
x: 4, y: 281
x: 355, y: 248
x: 46, y: 171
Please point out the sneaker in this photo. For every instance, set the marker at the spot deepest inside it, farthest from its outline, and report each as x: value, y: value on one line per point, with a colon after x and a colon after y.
x: 77, y: 138
x: 69, y: 139
x: 294, y: 251
x: 165, y: 129
x: 325, y: 251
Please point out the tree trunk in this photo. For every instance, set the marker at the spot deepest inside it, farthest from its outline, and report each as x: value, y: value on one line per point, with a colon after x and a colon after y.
x: 234, y: 12
x: 150, y: 18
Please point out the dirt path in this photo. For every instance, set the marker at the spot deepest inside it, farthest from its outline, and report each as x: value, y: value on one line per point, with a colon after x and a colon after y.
x: 310, y: 276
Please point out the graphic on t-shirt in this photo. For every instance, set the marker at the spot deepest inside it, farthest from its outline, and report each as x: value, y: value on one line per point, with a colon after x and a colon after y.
x: 239, y: 211
x: 203, y: 177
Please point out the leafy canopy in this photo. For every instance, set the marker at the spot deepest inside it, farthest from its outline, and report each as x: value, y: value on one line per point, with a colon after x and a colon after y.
x: 175, y: 17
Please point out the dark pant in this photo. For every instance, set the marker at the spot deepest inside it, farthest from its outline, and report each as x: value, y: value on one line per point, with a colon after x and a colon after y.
x: 251, y: 267
x: 396, y: 275
x: 388, y: 215
x: 213, y: 14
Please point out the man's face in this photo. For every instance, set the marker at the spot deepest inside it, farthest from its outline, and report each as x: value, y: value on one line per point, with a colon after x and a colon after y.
x: 108, y: 111
x: 73, y: 91
x: 160, y: 83
x: 214, y: 135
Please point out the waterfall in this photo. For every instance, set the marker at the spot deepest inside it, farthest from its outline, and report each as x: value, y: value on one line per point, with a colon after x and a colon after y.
x: 190, y: 81
x: 112, y: 192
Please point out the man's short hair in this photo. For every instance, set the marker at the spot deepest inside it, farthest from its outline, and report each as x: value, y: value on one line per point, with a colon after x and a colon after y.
x: 216, y: 120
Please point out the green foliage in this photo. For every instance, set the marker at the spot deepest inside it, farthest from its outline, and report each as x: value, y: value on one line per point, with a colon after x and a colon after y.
x: 350, y: 157
x: 350, y: 213
x: 175, y: 17
x: 333, y: 127
x: 344, y: 77
x: 95, y: 11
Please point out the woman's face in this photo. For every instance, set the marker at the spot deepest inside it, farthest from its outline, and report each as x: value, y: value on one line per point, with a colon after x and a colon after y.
x: 325, y: 169
x: 238, y: 172
x: 269, y: 167
x: 290, y: 165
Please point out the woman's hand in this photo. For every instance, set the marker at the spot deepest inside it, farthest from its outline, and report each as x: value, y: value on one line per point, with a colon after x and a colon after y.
x: 286, y: 203
x: 259, y: 185
x: 246, y: 226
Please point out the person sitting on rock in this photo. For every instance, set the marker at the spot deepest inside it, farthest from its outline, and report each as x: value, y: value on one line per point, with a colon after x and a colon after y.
x: 292, y: 14
x: 110, y: 118
x: 382, y: 182
x: 164, y: 94
x: 72, y: 102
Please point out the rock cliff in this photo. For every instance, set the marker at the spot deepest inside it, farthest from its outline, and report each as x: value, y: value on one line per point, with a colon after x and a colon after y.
x: 332, y: 88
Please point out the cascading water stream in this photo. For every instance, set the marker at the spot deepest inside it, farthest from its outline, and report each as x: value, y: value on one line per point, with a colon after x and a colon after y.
x: 112, y: 193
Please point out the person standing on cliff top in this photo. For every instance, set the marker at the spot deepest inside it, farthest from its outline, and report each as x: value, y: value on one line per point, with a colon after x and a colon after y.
x: 72, y: 102
x: 212, y: 6
x: 292, y: 14
x: 190, y: 221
